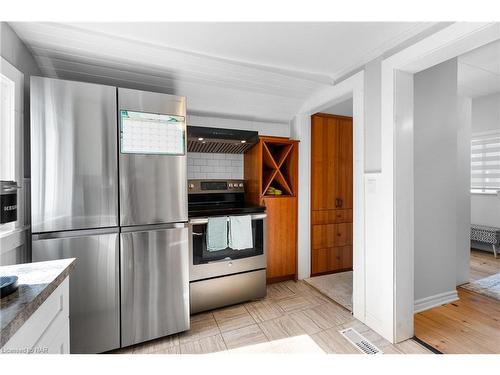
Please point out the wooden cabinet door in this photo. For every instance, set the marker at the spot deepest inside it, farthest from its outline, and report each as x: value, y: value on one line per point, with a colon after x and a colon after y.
x: 331, y: 162
x: 343, y: 234
x: 281, y: 236
x: 344, y: 164
x: 330, y: 259
x: 347, y: 257
x: 323, y: 236
x: 325, y: 135
x: 331, y: 235
x: 331, y: 193
x: 331, y: 216
x: 320, y: 261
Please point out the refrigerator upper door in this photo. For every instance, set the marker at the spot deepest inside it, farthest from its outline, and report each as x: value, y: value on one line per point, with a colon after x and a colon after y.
x: 154, y: 283
x: 153, y: 172
x: 94, y: 285
x: 73, y: 155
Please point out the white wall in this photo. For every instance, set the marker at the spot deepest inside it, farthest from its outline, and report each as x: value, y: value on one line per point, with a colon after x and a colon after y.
x: 373, y: 130
x: 301, y: 129
x: 463, y: 189
x: 436, y: 177
x: 485, y: 209
x: 486, y: 113
x: 342, y: 109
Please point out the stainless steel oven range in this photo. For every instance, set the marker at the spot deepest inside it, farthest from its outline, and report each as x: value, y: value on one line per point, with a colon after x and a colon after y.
x: 227, y: 276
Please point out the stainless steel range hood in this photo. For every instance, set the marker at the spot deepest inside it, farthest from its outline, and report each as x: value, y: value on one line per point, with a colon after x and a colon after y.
x: 216, y: 140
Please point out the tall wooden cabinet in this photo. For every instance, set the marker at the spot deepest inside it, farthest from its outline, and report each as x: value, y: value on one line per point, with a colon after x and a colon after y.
x: 273, y: 163
x: 331, y: 193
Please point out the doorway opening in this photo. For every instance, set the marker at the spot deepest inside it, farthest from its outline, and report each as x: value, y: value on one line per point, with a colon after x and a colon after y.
x: 479, y: 80
x: 332, y: 202
x: 457, y: 202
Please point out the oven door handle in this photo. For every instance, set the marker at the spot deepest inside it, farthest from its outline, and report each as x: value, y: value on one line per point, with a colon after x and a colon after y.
x: 226, y: 259
x: 204, y: 220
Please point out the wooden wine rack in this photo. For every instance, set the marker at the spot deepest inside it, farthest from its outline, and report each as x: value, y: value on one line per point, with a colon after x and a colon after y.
x: 273, y: 162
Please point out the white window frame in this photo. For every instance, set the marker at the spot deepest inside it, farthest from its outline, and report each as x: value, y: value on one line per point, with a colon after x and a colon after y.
x: 485, y: 149
x: 8, y: 71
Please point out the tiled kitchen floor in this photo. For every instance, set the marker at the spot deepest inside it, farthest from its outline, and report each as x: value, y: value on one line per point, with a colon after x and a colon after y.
x: 337, y: 286
x: 291, y: 309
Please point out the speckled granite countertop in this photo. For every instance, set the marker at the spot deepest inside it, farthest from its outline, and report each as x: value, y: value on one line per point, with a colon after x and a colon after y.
x: 36, y: 283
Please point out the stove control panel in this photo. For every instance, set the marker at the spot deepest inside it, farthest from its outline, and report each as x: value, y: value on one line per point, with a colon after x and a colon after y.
x: 215, y: 186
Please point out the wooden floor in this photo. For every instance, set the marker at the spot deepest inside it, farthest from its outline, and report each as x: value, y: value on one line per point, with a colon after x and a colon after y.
x: 483, y: 264
x: 293, y: 318
x: 470, y: 325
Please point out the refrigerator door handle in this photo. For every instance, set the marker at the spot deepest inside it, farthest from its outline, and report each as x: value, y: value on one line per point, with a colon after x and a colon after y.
x: 73, y: 233
x: 152, y: 227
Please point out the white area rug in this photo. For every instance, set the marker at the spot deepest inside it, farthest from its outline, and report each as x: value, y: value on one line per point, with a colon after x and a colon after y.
x: 489, y: 286
x: 337, y: 286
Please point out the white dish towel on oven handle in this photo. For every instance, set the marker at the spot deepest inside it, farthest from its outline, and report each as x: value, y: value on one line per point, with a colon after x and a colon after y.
x: 217, y: 233
x: 240, y: 232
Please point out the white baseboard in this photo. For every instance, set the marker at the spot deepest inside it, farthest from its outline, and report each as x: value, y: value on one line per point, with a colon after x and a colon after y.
x: 435, y: 300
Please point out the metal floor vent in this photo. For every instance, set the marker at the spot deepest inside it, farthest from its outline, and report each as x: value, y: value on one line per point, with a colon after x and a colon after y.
x: 360, y: 342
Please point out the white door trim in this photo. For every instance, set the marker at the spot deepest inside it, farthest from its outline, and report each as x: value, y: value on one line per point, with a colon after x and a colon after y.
x: 301, y: 129
x: 397, y: 171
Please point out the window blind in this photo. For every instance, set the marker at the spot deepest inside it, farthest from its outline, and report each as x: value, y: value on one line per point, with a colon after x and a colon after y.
x: 485, y: 162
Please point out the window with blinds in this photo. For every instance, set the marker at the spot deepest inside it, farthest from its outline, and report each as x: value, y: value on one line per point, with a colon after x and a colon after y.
x: 485, y: 162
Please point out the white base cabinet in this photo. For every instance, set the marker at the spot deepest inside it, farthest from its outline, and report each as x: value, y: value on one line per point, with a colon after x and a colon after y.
x: 47, y: 330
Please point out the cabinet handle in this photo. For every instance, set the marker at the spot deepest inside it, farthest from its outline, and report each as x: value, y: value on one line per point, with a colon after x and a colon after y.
x: 338, y: 203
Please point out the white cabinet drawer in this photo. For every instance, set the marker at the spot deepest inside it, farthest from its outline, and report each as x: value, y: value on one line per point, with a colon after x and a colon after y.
x: 56, y: 339
x: 47, y: 330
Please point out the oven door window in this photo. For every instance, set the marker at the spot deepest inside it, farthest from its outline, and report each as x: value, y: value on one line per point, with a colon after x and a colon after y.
x: 202, y: 256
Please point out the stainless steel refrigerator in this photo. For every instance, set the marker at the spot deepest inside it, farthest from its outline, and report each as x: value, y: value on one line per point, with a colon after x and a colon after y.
x: 108, y: 170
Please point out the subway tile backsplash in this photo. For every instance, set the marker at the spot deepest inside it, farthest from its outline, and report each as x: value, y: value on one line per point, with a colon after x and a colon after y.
x: 216, y: 166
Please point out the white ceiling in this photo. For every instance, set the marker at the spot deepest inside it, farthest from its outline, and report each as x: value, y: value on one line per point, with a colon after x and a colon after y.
x: 479, y: 71
x: 324, y: 49
x: 253, y: 70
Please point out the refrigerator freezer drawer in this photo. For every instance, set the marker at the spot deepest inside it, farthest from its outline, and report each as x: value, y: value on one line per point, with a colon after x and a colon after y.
x: 73, y: 155
x: 94, y: 286
x: 155, y: 284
